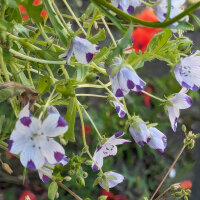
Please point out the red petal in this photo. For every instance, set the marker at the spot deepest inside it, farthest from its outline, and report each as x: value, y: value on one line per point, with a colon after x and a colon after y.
x: 36, y: 2
x: 27, y: 193
x: 44, y: 13
x: 186, y: 184
x: 22, y: 9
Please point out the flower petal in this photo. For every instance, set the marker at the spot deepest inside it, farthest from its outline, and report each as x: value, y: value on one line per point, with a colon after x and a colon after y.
x: 52, y: 151
x: 98, y: 158
x: 181, y: 101
x: 25, y: 112
x: 64, y: 161
x: 68, y: 54
x: 31, y: 156
x: 113, y: 183
x: 173, y: 116
x: 54, y: 125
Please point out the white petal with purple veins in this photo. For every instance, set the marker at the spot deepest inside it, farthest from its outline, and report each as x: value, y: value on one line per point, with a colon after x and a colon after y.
x: 64, y: 161
x: 173, y: 116
x: 119, y: 109
x: 113, y: 183
x: 52, y: 110
x: 68, y: 54
x: 181, y: 101
x: 31, y: 156
x: 54, y: 125
x: 52, y: 151
x: 98, y: 158
x: 17, y: 141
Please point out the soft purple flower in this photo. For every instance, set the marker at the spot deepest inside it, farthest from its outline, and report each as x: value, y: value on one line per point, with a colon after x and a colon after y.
x: 119, y: 109
x: 158, y: 140
x: 33, y: 139
x: 176, y: 8
x: 127, y: 6
x: 187, y: 72
x: 112, y: 183
x: 124, y: 80
x: 179, y: 101
x: 46, y: 178
x: 140, y: 134
x: 107, y: 149
x: 82, y: 49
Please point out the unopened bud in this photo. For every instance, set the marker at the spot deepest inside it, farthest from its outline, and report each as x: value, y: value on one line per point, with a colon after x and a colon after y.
x: 88, y: 162
x: 102, y: 198
x: 184, y: 129
x: 68, y: 178
x: 81, y: 181
x: 175, y: 186
x: 57, y: 195
x: 185, y: 198
x: 7, y: 168
x: 71, y: 172
x: 178, y: 194
x: 63, y: 141
x: 191, y: 144
x: 85, y: 174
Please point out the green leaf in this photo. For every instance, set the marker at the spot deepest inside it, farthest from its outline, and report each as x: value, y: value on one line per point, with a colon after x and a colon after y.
x: 44, y: 84
x: 48, y: 54
x: 70, y: 118
x: 122, y: 45
x: 59, y: 28
x: 13, y: 14
x: 96, y: 181
x: 197, y: 20
x: 98, y: 37
x: 81, y: 73
x: 185, y: 26
x: 2, y: 118
x: 5, y: 25
x: 52, y: 190
x: 20, y: 29
x: 67, y: 89
x: 105, y: 184
x: 115, y: 21
x: 102, y: 197
x: 11, y: 4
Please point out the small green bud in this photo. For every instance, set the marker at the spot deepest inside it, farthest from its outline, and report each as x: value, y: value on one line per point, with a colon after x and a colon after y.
x: 3, y: 37
x: 184, y: 129
x: 71, y: 172
x: 191, y: 144
x: 88, y: 162
x: 185, y: 198
x: 81, y: 181
x: 188, y: 191
x: 68, y: 178
x: 85, y: 174
x: 102, y: 197
x: 63, y: 141
x: 178, y: 194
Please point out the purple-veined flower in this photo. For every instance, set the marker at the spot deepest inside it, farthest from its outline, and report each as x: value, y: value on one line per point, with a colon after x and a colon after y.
x: 107, y: 149
x: 112, y: 183
x: 127, y: 6
x: 119, y: 109
x: 44, y: 177
x: 178, y: 101
x: 124, y: 80
x: 82, y: 49
x: 187, y: 72
x: 158, y: 140
x: 33, y: 139
x: 176, y: 8
x: 140, y: 134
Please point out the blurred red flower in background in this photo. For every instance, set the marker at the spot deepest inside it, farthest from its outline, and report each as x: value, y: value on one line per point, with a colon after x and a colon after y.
x: 24, y: 13
x: 147, y: 98
x: 186, y: 184
x: 27, y: 193
x: 111, y: 196
x: 87, y: 129
x: 142, y: 35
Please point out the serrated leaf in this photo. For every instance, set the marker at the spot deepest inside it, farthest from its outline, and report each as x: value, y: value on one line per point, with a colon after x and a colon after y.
x: 20, y: 29
x: 98, y: 37
x: 185, y: 26
x: 70, y: 118
x: 52, y: 190
x: 44, y: 84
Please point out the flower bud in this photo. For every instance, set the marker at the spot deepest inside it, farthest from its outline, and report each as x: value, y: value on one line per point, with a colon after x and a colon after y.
x: 102, y: 198
x: 85, y: 174
x: 63, y: 141
x: 184, y: 128
x: 7, y: 168
x: 185, y: 198
x: 80, y: 180
x: 68, y: 178
x: 57, y: 195
x: 88, y: 162
x: 71, y: 172
x: 178, y: 194
x: 175, y: 186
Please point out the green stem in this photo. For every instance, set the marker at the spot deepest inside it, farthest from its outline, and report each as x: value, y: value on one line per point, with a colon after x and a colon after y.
x: 74, y: 16
x: 64, y: 71
x: 101, y: 70
x: 159, y: 99
x: 131, y: 18
x: 88, y: 85
x: 46, y: 104
x: 124, y: 102
x: 3, y: 9
x: 50, y: 73
x: 91, y: 95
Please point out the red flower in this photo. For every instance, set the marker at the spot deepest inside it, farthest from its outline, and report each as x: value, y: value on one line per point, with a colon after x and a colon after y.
x: 27, y: 193
x: 87, y: 129
x: 10, y: 155
x: 36, y: 2
x: 120, y: 197
x: 44, y: 13
x: 22, y: 9
x: 147, y: 98
x: 109, y: 195
x: 186, y: 184
x: 141, y: 36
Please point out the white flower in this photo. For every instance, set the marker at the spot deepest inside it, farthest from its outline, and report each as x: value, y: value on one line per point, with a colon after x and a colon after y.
x: 158, y: 140
x: 82, y: 49
x: 33, y: 139
x: 46, y: 178
x: 140, y: 134
x: 127, y: 6
x: 187, y: 72
x: 119, y: 109
x: 176, y: 8
x: 179, y: 101
x: 112, y: 183
x: 107, y: 149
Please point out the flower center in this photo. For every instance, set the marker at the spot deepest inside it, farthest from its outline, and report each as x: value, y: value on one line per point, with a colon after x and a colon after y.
x: 186, y: 71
